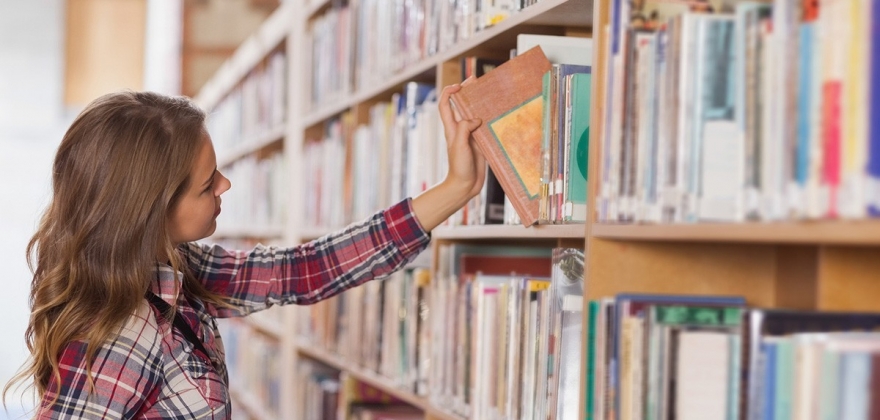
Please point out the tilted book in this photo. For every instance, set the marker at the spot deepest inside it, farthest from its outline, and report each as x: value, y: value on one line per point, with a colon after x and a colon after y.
x: 508, y: 101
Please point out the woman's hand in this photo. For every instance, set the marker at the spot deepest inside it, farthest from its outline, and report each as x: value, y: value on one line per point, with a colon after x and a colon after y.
x: 467, y: 168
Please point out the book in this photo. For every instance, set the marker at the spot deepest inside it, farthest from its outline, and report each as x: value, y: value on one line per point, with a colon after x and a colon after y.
x: 559, y: 49
x: 576, y: 170
x: 488, y: 207
x: 509, y: 102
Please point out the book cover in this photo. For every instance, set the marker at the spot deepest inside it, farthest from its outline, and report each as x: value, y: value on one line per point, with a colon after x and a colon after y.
x: 508, y: 100
x: 491, y: 198
x: 576, y: 205
x: 560, y: 125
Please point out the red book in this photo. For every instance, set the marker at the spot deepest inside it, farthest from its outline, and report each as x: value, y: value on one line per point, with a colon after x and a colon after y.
x: 508, y: 100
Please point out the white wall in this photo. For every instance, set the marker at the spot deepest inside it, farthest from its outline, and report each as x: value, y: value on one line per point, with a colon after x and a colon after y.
x: 32, y: 121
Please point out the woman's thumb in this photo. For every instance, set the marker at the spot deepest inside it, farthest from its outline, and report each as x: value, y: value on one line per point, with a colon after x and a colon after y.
x: 473, y: 124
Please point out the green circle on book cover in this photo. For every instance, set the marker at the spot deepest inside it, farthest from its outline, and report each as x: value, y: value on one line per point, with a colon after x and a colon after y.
x: 582, y: 150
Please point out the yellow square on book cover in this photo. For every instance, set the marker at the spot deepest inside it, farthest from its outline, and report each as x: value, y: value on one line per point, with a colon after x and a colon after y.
x: 509, y: 129
x: 508, y: 100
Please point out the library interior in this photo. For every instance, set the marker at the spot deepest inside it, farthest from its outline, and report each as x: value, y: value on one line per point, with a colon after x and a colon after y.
x: 617, y: 263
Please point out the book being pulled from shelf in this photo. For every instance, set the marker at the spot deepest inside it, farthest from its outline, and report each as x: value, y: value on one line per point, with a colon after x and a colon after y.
x: 739, y: 111
x: 535, y: 133
x: 701, y: 357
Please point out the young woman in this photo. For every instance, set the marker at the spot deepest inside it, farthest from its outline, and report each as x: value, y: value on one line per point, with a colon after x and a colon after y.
x: 124, y: 301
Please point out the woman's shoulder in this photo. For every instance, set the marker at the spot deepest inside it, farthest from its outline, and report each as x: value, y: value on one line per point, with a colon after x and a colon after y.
x: 142, y: 327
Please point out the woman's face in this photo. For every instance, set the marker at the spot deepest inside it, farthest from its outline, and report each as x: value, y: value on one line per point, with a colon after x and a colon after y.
x: 195, y: 215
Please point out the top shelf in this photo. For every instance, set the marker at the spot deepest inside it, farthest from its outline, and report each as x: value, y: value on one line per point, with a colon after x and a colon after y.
x: 253, y: 50
x: 571, y: 13
x: 819, y: 232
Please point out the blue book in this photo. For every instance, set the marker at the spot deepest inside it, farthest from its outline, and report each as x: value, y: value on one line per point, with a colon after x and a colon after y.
x: 873, y: 195
x: 768, y: 399
x: 805, y: 104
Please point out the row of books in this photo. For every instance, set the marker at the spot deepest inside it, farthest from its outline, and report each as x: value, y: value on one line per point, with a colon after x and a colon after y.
x: 407, y: 136
x: 255, y: 107
x: 378, y: 326
x: 735, y: 111
x: 398, y: 153
x: 328, y: 394
x: 258, y: 198
x: 496, y: 332
x: 253, y: 363
x: 507, y: 326
x: 379, y: 39
x: 702, y: 357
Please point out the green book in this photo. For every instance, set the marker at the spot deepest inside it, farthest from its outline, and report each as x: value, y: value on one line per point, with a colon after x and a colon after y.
x: 593, y: 312
x: 578, y: 135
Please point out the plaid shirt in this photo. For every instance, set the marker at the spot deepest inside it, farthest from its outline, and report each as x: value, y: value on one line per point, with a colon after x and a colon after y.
x: 150, y: 371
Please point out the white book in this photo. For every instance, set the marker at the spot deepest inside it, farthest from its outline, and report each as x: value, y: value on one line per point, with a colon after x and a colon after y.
x: 702, y: 375
x: 558, y: 49
x: 722, y: 172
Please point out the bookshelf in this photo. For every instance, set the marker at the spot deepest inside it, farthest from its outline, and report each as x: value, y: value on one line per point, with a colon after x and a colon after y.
x: 310, y: 125
x: 817, y: 265
x: 247, y: 101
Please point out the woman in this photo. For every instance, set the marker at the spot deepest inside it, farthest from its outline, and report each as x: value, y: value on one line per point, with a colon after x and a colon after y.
x: 124, y: 301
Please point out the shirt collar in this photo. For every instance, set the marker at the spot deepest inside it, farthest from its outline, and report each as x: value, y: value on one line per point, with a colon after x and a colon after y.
x: 165, y: 285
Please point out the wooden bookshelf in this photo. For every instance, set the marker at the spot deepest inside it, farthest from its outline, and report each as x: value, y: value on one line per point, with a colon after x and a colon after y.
x: 573, y: 231
x: 267, y: 38
x: 375, y: 380
x: 820, y: 232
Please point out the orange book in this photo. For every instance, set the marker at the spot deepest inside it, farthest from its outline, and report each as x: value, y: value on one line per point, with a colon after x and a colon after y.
x: 508, y: 101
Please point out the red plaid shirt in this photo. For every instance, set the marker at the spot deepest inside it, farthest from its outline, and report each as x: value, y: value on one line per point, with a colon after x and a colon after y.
x: 150, y: 371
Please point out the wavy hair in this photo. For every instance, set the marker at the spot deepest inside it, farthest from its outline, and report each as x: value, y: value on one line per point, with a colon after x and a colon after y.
x: 120, y: 169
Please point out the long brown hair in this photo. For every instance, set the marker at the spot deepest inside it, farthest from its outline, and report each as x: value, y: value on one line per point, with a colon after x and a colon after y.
x: 121, y: 167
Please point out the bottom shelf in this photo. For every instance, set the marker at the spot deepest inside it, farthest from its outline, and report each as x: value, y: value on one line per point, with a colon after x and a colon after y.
x: 375, y: 380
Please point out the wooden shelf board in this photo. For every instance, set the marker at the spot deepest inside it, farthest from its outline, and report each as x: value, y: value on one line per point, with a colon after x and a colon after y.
x: 269, y: 232
x: 545, y: 12
x: 250, y: 403
x: 510, y: 231
x: 253, y: 50
x: 374, y: 380
x: 271, y: 138
x: 820, y: 232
